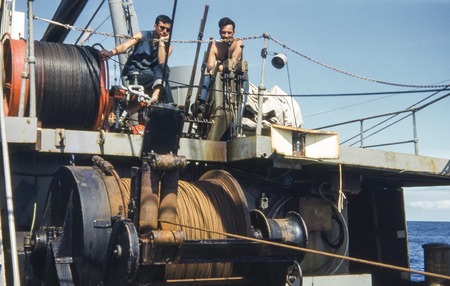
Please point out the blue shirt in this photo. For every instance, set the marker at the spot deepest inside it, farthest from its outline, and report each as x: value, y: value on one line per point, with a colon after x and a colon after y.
x: 144, y: 56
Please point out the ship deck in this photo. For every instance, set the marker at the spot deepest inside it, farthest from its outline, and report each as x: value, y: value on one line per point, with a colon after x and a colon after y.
x: 406, y: 170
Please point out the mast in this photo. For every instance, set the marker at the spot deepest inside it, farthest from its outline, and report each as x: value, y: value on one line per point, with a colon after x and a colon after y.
x: 7, y: 10
x: 124, y: 21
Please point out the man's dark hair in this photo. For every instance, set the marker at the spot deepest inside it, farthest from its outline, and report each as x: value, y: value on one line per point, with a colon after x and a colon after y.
x: 226, y: 21
x: 164, y: 19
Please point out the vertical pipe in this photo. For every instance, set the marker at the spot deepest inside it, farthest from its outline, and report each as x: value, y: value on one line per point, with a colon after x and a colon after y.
x: 7, y: 8
x: 149, y: 199
x: 30, y: 63
x: 295, y: 124
x: 31, y: 60
x: 416, y: 140
x: 8, y: 194
x: 261, y: 87
x: 361, y: 133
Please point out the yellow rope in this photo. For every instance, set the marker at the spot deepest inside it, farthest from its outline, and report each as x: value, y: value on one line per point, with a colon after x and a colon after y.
x: 297, y: 248
x: 212, y: 205
x: 341, y: 193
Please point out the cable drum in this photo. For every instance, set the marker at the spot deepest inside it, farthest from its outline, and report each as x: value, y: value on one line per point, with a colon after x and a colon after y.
x: 70, y: 89
x: 68, y: 85
x: 215, y: 202
x: 14, y: 53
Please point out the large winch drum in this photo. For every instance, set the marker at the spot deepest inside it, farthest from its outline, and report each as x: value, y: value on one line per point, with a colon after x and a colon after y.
x: 71, y: 84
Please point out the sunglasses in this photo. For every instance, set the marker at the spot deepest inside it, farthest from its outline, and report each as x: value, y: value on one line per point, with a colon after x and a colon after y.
x: 162, y: 28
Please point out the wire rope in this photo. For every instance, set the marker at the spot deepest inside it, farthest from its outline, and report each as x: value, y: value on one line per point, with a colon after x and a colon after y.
x: 303, y: 249
x: 213, y: 204
x: 70, y: 86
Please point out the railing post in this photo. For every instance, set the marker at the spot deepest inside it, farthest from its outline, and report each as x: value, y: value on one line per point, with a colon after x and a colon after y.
x: 361, y: 133
x: 261, y: 87
x: 416, y: 139
x: 31, y: 60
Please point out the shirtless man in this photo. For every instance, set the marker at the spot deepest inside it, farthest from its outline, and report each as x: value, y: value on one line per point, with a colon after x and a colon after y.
x: 228, y: 48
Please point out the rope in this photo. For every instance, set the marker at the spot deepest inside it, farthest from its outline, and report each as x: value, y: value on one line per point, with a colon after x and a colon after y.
x: 297, y: 248
x: 255, y: 38
x: 126, y: 37
x: 207, y: 210
x: 351, y: 74
x: 213, y: 205
x: 342, y: 197
x: 70, y: 27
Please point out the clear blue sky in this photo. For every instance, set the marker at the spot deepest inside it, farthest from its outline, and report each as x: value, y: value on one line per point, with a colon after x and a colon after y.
x: 398, y: 41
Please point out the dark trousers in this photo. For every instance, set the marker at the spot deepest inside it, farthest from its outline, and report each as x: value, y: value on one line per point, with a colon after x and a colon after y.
x: 150, y: 78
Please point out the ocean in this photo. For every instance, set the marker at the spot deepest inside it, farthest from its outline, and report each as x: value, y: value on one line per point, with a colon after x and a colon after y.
x: 420, y: 233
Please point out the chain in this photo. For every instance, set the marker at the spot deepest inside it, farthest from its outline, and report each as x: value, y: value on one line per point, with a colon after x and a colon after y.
x: 246, y: 39
x: 355, y: 75
x: 67, y: 26
x: 216, y: 40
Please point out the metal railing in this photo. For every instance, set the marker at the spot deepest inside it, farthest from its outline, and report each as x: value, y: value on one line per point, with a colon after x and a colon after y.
x: 362, y: 135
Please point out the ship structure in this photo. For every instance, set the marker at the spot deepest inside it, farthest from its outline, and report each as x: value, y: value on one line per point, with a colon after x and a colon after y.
x: 94, y: 192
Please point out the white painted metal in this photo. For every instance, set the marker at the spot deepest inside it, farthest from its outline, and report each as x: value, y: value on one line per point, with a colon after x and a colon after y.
x: 338, y: 280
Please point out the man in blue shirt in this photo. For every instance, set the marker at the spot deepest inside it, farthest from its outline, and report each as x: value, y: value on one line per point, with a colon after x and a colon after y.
x: 148, y: 59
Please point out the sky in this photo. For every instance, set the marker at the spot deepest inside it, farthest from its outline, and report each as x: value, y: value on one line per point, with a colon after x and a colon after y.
x: 402, y: 42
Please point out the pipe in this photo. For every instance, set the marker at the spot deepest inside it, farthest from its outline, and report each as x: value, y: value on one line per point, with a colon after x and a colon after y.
x: 261, y: 87
x: 32, y: 61
x: 8, y: 191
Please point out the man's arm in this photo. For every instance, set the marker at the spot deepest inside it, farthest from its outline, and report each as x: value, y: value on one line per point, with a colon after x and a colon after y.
x: 162, y: 50
x: 122, y: 48
x: 236, y: 51
x: 212, y: 57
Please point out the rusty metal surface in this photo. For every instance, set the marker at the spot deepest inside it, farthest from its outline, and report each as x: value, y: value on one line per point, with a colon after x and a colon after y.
x: 161, y: 247
x: 435, y: 170
x: 249, y: 148
x: 90, y: 142
x: 203, y: 150
x: 316, y: 212
x: 166, y: 162
x: 149, y: 200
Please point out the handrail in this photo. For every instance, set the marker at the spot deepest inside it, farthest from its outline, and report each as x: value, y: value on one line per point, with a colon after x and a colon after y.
x: 362, y: 131
x: 411, y: 112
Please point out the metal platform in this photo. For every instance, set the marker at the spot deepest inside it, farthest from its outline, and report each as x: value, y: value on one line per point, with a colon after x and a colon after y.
x: 406, y: 169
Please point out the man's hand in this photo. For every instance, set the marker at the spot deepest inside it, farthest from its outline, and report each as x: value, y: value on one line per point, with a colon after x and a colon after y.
x: 106, y: 54
x: 163, y: 41
x: 153, y: 100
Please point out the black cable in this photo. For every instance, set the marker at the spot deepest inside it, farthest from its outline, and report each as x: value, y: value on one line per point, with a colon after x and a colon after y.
x: 67, y: 85
x: 357, y: 94
x: 186, y: 85
x: 337, y: 243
